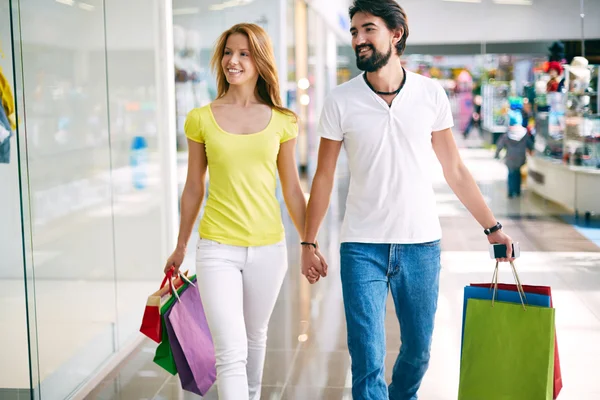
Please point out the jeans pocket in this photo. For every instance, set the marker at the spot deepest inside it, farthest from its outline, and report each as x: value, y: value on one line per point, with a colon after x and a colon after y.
x: 205, y: 245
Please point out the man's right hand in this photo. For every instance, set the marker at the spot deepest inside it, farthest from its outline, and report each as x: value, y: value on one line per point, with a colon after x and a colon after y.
x: 175, y: 261
x: 313, y: 264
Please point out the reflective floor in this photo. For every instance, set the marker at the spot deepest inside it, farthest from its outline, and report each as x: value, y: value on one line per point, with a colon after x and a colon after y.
x: 307, y: 353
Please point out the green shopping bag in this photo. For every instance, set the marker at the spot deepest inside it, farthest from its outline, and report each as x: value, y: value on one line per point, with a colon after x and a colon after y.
x: 508, y: 351
x: 164, y: 356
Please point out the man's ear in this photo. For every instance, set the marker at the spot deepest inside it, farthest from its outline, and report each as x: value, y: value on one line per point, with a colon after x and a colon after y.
x: 398, y: 33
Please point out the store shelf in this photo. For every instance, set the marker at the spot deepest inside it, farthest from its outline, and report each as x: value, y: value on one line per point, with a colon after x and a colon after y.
x: 576, y: 188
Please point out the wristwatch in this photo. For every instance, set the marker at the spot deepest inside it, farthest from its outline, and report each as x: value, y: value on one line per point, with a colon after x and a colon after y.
x: 493, y: 229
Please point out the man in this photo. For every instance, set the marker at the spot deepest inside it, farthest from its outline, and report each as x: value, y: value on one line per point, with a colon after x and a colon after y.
x: 391, y: 123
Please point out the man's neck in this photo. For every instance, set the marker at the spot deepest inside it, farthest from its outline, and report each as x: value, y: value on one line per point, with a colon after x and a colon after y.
x: 388, y: 78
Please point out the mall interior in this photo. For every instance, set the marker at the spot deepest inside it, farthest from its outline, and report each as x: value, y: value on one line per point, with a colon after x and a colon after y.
x: 93, y: 161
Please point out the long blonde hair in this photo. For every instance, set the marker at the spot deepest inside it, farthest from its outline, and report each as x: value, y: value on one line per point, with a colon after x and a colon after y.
x: 267, y: 86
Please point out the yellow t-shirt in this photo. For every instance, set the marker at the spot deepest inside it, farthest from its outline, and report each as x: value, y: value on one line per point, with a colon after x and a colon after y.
x: 7, y: 100
x: 242, y: 209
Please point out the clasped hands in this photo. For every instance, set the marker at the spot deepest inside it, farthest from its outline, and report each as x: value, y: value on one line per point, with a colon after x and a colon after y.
x: 313, y: 263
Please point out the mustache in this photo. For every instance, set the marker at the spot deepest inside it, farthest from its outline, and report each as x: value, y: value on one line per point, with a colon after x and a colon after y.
x: 369, y: 46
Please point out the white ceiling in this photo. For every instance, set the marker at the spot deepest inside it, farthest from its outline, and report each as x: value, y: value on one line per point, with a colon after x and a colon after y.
x: 431, y: 21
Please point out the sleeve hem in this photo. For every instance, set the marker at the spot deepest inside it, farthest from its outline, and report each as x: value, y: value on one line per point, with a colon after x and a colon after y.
x: 288, y: 139
x: 195, y: 139
x: 443, y: 127
x: 331, y: 137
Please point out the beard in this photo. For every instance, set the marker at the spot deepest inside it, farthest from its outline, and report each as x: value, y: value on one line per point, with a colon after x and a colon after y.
x: 376, y: 61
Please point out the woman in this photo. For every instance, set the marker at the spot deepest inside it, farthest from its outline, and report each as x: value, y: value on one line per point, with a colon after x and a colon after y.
x: 244, y: 137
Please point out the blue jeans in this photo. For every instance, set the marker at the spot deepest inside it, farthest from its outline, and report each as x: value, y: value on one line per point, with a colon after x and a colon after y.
x: 411, y: 272
x: 514, y: 182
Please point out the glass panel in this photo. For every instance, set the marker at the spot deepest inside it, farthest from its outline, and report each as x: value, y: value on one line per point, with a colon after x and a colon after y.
x: 91, y: 200
x: 15, y: 369
x: 63, y: 87
x: 133, y: 52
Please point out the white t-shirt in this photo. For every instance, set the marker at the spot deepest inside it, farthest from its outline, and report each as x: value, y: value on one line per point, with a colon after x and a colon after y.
x: 391, y: 197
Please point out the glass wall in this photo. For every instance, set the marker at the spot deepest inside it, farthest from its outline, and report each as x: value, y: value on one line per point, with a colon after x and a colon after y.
x: 15, y: 373
x: 86, y: 191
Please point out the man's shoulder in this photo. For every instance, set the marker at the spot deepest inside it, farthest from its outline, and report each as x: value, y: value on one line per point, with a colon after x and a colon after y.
x: 424, y: 81
x: 345, y: 89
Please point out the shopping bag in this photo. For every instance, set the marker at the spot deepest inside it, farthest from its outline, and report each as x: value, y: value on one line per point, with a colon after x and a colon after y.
x: 164, y: 355
x: 538, y: 290
x: 482, y: 293
x: 508, y: 350
x: 191, y: 343
x: 151, y: 324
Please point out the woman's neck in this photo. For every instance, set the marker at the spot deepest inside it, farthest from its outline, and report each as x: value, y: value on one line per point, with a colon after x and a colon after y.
x: 242, y: 95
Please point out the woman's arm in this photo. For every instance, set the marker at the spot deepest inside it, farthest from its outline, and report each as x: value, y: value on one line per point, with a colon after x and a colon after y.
x: 191, y: 199
x: 293, y: 195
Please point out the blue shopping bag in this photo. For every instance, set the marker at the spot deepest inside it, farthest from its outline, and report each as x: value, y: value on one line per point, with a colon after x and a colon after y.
x: 485, y: 293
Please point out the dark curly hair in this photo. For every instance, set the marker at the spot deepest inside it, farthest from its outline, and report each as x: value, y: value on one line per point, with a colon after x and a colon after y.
x: 388, y: 10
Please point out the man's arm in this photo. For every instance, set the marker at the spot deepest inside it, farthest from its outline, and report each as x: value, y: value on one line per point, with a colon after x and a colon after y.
x: 464, y: 186
x: 320, y: 196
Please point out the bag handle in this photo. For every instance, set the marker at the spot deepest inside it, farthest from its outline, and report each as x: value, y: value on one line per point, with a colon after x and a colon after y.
x: 185, y: 278
x: 520, y: 290
x: 172, y: 284
x: 168, y: 276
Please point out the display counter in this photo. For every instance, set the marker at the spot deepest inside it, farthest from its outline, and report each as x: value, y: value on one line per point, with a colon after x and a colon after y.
x: 576, y: 188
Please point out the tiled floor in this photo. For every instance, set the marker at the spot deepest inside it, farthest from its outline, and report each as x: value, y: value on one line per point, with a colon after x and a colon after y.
x: 307, y: 355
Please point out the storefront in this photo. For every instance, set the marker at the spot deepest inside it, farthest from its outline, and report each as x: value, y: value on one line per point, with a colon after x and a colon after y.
x: 87, y: 207
x: 565, y: 167
x: 90, y: 170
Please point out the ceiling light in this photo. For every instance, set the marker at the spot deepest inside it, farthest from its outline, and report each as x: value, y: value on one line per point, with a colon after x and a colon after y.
x: 228, y: 4
x: 303, y: 84
x: 303, y: 338
x: 515, y: 2
x: 186, y: 11
x: 86, y: 7
x: 66, y: 2
x: 305, y: 99
x: 464, y: 1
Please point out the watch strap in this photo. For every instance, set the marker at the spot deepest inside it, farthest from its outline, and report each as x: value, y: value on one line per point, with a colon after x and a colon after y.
x: 493, y: 229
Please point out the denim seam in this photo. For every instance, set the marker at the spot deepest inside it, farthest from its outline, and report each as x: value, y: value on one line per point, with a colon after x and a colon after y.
x: 394, y: 261
x: 389, y: 272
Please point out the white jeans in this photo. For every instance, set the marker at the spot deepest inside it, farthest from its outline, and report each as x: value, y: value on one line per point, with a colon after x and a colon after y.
x: 239, y: 287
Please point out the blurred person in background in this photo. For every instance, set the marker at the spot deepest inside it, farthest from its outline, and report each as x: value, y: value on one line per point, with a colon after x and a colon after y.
x: 475, y: 120
x: 244, y: 138
x: 517, y: 142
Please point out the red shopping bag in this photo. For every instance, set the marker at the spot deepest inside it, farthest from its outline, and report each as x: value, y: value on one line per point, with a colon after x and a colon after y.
x: 151, y: 322
x: 543, y: 290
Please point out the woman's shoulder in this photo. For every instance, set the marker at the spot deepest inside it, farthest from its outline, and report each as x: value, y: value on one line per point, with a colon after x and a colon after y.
x: 285, y: 117
x: 205, y: 109
x: 199, y: 113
